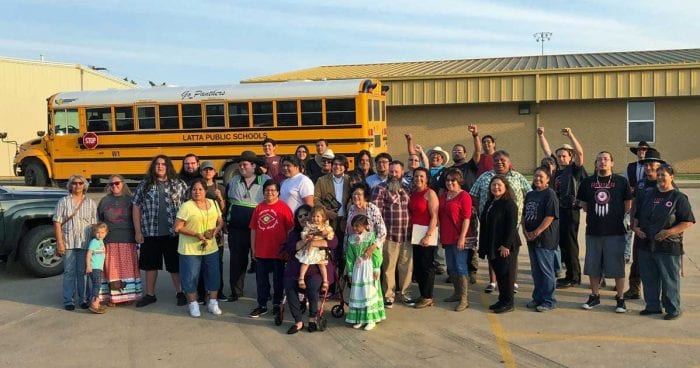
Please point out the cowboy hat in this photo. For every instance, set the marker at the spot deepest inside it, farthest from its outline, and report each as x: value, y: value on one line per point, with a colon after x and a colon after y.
x: 442, y: 152
x: 640, y: 144
x: 249, y: 156
x: 652, y: 156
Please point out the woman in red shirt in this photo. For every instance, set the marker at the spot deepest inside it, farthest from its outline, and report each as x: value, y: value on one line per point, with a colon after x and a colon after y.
x: 423, y: 210
x: 272, y: 220
x: 454, y: 214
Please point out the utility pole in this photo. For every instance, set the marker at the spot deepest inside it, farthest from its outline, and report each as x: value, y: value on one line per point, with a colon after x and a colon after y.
x: 542, y: 37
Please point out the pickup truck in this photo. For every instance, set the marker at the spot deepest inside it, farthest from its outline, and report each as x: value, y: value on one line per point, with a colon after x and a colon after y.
x: 26, y: 228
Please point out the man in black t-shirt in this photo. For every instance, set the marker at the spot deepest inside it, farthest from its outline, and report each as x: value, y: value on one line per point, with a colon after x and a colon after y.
x: 651, y: 162
x: 565, y: 182
x: 607, y: 199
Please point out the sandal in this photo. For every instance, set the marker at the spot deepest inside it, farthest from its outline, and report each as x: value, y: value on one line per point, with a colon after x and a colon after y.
x: 324, y: 286
x: 302, y: 284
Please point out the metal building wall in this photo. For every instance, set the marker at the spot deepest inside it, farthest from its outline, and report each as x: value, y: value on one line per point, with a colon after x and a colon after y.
x: 25, y: 87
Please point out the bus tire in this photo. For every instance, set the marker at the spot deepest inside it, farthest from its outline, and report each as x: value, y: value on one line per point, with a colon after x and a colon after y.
x: 229, y: 172
x: 38, y: 252
x: 35, y: 174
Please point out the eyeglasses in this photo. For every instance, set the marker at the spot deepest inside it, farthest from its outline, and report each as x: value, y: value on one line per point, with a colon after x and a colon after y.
x: 383, y: 161
x: 302, y: 215
x: 78, y: 183
x: 327, y: 161
x: 643, y: 148
x: 115, y: 183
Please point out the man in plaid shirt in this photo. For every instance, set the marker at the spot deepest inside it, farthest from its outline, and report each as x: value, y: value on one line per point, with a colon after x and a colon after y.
x: 392, y: 198
x: 155, y: 204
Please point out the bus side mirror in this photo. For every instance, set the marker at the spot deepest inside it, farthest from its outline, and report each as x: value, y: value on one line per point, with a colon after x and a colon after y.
x: 40, y: 133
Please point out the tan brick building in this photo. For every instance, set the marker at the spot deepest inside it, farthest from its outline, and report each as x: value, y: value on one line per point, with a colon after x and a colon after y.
x: 610, y: 100
x: 26, y: 84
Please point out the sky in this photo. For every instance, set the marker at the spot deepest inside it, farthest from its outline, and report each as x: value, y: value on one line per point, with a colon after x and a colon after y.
x: 200, y: 42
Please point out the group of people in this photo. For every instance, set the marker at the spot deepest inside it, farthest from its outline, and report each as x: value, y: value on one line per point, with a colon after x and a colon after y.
x: 310, y: 222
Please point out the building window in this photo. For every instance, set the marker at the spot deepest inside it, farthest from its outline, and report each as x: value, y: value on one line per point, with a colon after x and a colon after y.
x: 641, y: 121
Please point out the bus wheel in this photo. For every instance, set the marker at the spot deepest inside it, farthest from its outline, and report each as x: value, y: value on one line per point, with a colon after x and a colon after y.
x: 230, y: 171
x: 35, y: 174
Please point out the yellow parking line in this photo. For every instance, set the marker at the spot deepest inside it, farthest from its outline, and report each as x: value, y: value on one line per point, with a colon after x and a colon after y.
x: 499, y: 334
x: 642, y: 340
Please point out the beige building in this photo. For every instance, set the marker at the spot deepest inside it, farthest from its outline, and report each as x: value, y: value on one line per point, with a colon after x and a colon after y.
x: 26, y: 86
x: 610, y: 100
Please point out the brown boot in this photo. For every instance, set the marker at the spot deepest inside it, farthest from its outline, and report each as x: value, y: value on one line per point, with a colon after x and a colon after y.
x: 456, y: 296
x: 463, y: 301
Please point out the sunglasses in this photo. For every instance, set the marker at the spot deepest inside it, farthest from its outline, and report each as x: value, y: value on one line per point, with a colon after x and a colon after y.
x: 302, y: 215
x: 327, y: 161
x: 78, y: 183
x: 115, y: 183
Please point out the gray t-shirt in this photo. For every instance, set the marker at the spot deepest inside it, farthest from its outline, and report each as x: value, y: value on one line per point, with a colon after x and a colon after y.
x: 115, y: 211
x: 163, y: 224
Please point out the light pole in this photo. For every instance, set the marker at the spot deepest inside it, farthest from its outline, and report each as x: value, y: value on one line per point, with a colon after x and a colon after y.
x: 542, y: 37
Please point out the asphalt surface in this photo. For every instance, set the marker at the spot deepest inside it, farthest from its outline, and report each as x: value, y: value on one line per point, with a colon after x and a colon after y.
x: 36, y: 331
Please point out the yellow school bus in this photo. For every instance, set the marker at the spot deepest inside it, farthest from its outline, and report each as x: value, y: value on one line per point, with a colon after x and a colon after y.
x: 99, y: 133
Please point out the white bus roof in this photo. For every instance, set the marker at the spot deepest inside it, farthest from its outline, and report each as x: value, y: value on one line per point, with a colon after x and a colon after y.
x: 252, y: 91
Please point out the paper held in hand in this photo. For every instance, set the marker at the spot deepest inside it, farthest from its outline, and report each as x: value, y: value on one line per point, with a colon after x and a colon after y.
x: 419, y: 232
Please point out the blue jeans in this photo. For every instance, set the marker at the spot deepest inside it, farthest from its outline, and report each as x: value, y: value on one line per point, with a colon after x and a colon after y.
x: 660, y: 275
x: 190, y: 267
x: 457, y: 260
x: 74, y: 276
x: 263, y: 268
x: 543, y: 263
x: 95, y: 280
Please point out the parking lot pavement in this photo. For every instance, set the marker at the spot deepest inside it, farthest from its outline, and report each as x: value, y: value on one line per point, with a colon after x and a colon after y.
x: 36, y: 331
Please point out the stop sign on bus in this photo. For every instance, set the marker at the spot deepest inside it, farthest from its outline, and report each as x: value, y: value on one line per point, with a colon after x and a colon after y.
x: 90, y: 140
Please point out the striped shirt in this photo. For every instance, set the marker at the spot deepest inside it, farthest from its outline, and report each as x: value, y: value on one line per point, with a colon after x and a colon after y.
x: 77, y: 231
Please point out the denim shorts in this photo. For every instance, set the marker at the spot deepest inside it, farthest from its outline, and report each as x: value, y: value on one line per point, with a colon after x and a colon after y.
x: 190, y: 267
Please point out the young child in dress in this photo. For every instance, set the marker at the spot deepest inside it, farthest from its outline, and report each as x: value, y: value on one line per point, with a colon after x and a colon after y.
x: 316, y: 229
x: 366, y: 303
x: 95, y: 260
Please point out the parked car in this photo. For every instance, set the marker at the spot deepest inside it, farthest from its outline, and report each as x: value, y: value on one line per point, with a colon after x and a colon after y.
x: 26, y: 228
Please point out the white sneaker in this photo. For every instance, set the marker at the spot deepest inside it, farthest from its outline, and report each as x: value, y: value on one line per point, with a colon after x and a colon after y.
x: 213, y: 307
x: 357, y: 326
x: 194, y: 309
x: 370, y: 326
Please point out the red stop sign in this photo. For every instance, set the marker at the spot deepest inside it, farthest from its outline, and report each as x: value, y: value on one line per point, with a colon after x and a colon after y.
x: 90, y: 140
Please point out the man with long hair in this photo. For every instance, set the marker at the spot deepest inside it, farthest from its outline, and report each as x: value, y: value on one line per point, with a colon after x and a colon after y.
x: 156, y: 201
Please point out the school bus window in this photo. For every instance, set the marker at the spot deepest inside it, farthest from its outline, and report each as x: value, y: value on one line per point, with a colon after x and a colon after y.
x: 340, y: 111
x: 238, y: 115
x: 383, y: 110
x: 99, y: 119
x: 66, y: 122
x: 191, y: 116
x: 262, y: 114
x: 369, y: 110
x: 287, y: 113
x: 375, y: 110
x: 311, y: 112
x: 124, y: 118
x: 147, y: 117
x: 215, y: 115
x: 169, y: 117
